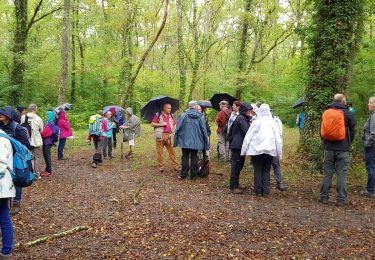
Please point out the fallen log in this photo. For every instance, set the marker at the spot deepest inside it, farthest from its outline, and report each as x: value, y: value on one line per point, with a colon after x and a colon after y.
x: 49, y: 237
x: 137, y: 192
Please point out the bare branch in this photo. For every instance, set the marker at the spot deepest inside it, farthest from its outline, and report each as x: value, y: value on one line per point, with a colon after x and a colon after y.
x: 33, y: 20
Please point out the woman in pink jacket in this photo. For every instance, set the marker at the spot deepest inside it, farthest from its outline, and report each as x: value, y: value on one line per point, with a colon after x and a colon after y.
x: 65, y: 132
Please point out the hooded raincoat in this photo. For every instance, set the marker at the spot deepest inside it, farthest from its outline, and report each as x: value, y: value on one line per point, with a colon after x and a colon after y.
x: 263, y: 136
x: 36, y: 124
x: 133, y: 124
x: 64, y: 126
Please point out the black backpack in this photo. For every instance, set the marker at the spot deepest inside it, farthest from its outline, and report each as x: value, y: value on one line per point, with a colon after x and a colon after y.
x: 204, y: 167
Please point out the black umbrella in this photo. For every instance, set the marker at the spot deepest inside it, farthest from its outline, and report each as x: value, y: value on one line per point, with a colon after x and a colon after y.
x: 205, y: 103
x: 217, y: 98
x: 155, y: 105
x: 299, y: 103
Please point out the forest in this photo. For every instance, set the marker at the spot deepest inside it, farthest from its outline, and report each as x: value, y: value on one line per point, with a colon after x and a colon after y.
x: 96, y: 52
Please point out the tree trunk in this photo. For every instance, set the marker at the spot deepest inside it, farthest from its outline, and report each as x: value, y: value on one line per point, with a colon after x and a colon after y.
x: 332, y: 54
x: 181, y: 54
x: 19, y: 49
x: 242, y: 55
x: 73, y: 37
x: 130, y: 88
x: 64, y: 53
x: 82, y: 62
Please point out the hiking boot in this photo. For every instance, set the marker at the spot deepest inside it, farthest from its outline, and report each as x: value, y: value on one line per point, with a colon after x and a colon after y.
x: 15, y: 207
x: 281, y: 187
x: 94, y: 165
x: 37, y: 176
x: 181, y: 177
x: 45, y: 174
x: 237, y: 191
x: 367, y: 194
x: 62, y: 159
x: 323, y: 201
x: 342, y: 203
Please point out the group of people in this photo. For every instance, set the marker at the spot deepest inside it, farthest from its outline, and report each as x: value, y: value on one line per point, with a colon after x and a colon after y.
x: 28, y: 128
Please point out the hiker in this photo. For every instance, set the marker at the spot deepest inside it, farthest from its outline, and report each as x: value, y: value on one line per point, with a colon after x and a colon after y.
x: 236, y: 135
x: 191, y: 135
x: 107, y: 134
x: 222, y: 121
x: 132, y: 129
x: 337, y: 131
x: 20, y: 111
x: 262, y: 142
x: 16, y: 131
x: 369, y: 144
x: 95, y: 128
x: 65, y: 132
x: 115, y: 126
x: 35, y: 126
x: 7, y: 191
x: 276, y: 161
x: 50, y: 135
x: 234, y: 114
x: 164, y: 125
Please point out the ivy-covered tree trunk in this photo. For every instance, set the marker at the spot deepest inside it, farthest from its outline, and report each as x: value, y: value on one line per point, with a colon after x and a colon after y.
x: 73, y: 40
x: 19, y: 49
x: 64, y: 53
x: 181, y: 54
x: 333, y: 48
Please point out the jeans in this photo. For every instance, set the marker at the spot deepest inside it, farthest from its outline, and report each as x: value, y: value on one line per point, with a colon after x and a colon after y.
x: 277, y: 170
x: 237, y: 163
x: 262, y: 168
x: 47, y: 157
x: 60, y: 150
x: 6, y: 227
x: 370, y: 167
x: 192, y: 156
x: 18, y: 194
x: 107, y: 145
x: 339, y: 161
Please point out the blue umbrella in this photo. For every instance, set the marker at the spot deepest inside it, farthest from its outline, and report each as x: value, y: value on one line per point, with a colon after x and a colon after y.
x: 205, y: 103
x: 155, y: 105
x: 299, y: 103
x: 117, y: 108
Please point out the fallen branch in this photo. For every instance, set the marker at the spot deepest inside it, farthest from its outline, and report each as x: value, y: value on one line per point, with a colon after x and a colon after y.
x: 49, y: 237
x: 136, y: 194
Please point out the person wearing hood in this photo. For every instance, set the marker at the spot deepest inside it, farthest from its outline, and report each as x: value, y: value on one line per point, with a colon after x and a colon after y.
x: 262, y: 142
x: 7, y: 191
x: 191, y: 135
x: 50, y: 135
x: 16, y: 131
x: 236, y: 135
x: 336, y: 153
x: 369, y: 143
x: 132, y: 129
x: 36, y: 142
x: 65, y: 132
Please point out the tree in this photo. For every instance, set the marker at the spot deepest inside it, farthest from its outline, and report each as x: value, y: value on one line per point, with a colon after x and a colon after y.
x: 64, y: 53
x: 22, y: 29
x: 181, y: 53
x: 335, y: 32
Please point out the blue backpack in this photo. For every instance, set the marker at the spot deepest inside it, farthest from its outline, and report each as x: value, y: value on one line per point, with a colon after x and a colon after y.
x: 23, y: 170
x: 95, y: 126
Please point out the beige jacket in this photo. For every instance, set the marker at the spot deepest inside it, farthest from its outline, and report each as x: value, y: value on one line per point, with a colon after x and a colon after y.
x: 37, y: 125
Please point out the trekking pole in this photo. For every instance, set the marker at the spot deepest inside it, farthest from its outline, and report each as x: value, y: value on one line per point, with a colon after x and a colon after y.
x: 122, y: 150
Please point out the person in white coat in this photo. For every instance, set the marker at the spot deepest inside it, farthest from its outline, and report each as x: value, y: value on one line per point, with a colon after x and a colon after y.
x: 262, y: 142
x: 7, y: 191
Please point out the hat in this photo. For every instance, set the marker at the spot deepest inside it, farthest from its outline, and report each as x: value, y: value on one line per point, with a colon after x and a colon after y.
x: 193, y: 104
x: 21, y: 109
x: 244, y: 107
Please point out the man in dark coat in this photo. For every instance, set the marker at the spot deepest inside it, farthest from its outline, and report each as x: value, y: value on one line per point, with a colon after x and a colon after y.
x: 336, y: 155
x: 191, y: 135
x: 236, y: 136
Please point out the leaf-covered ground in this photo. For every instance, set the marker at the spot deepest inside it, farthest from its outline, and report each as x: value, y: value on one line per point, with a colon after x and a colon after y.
x: 183, y: 218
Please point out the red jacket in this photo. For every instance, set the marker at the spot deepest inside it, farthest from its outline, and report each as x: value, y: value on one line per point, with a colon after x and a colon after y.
x: 222, y: 119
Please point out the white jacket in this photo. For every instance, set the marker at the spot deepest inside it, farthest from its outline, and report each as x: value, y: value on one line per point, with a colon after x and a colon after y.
x: 7, y: 189
x: 36, y: 124
x: 264, y: 135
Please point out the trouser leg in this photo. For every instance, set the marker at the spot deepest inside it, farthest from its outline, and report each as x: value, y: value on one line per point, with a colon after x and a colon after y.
x: 60, y: 149
x: 328, y: 168
x: 159, y: 153
x: 277, y: 170
x: 6, y: 227
x: 267, y: 163
x: 236, y: 167
x: 47, y: 157
x: 370, y: 168
x: 185, y: 162
x: 342, y: 168
x: 194, y: 163
x: 258, y: 168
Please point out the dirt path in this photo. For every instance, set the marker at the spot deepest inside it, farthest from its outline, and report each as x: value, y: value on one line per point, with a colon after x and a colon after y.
x: 182, y: 218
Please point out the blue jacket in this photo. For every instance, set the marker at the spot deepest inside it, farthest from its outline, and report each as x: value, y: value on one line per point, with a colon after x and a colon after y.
x: 191, y: 131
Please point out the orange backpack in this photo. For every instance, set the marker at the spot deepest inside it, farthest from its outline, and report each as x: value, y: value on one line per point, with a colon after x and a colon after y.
x: 333, y: 125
